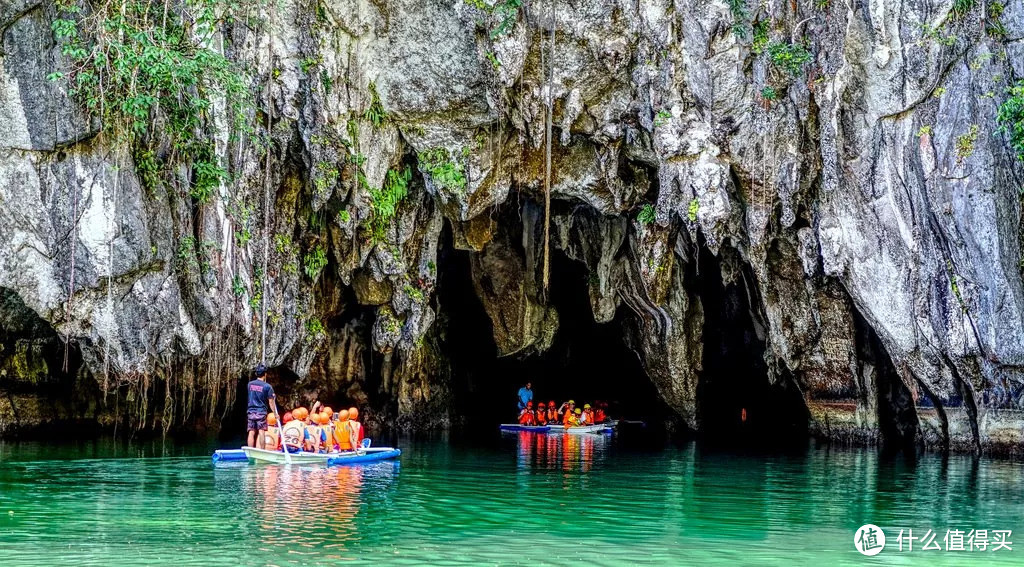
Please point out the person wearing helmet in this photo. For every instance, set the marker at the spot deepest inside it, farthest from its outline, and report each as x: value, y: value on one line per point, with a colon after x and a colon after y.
x: 355, y: 427
x: 271, y: 437
x: 342, y: 432
x: 571, y: 418
x: 567, y: 407
x: 526, y: 414
x: 599, y: 414
x: 540, y: 417
x: 294, y: 430
x: 587, y: 416
x: 261, y: 402
x: 552, y: 416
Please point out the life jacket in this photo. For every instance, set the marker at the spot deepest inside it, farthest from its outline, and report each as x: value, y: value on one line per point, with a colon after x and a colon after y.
x: 553, y: 415
x: 599, y: 416
x: 587, y: 417
x: 569, y: 419
x: 294, y: 433
x: 540, y: 419
x: 358, y: 429
x: 526, y: 417
x: 342, y: 435
x: 271, y: 441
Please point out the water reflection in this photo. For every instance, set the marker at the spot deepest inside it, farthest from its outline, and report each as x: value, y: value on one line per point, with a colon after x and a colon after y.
x: 566, y: 452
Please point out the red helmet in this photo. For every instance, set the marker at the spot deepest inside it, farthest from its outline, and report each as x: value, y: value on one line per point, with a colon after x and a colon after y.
x: 541, y: 405
x: 287, y: 417
x: 529, y: 404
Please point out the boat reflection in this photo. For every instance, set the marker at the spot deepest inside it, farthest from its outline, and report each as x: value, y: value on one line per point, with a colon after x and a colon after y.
x: 310, y: 508
x: 565, y: 451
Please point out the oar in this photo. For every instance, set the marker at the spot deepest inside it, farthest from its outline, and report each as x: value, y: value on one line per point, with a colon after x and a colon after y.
x: 284, y: 443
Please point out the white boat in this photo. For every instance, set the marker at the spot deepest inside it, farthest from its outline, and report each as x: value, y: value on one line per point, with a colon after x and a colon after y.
x: 305, y: 458
x: 597, y: 428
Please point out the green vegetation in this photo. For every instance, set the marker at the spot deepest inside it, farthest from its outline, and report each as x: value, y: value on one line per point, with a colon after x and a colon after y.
x: 692, y: 210
x: 414, y: 292
x: 375, y: 113
x: 314, y: 262
x: 187, y: 255
x: 148, y: 72
x: 939, y: 92
x: 1011, y: 118
x: 384, y: 201
x: 237, y: 287
x: 308, y: 63
x: 493, y: 59
x: 790, y: 57
x: 962, y: 7
x: 760, y: 42
x: 769, y: 94
x: 662, y: 118
x: 256, y: 300
x: 646, y: 215
x: 325, y: 178
x: 242, y: 237
x: 442, y: 169
x: 924, y: 131
x: 506, y: 11
x: 344, y: 216
x: 994, y: 21
x: 738, y: 9
x: 965, y: 144
x: 315, y: 330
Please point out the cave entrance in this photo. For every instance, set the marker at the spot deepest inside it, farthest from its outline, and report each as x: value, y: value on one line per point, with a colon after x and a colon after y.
x: 736, y: 403
x: 587, y: 360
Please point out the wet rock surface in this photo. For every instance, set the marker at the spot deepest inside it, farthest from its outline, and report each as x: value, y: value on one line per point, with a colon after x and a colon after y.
x: 877, y: 257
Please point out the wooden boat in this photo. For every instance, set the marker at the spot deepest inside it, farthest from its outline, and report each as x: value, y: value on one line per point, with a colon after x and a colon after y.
x: 304, y: 458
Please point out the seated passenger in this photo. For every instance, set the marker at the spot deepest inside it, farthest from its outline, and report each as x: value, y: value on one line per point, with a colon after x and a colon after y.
x: 540, y: 417
x: 599, y: 414
x: 271, y: 437
x: 552, y: 416
x: 526, y: 416
x: 356, y: 427
x: 343, y: 432
x: 571, y: 418
x: 587, y: 418
x: 293, y: 431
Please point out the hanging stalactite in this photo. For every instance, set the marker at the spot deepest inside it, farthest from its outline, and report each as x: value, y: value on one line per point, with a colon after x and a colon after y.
x: 547, y: 151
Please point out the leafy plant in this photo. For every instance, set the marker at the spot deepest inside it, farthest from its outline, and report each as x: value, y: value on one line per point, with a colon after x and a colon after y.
x: 646, y: 215
x: 315, y: 329
x: 939, y: 92
x: 965, y: 144
x: 143, y: 75
x: 375, y: 113
x: 446, y: 173
x: 790, y: 57
x: 769, y: 94
x: 326, y: 176
x: 493, y: 59
x: 314, y: 262
x: 384, y: 201
x: 1011, y: 118
x: 692, y: 210
x: 414, y: 292
x: 237, y: 287
x: 738, y: 9
x: 662, y: 118
x: 242, y: 237
x: 760, y: 42
x: 994, y: 21
x: 924, y: 131
x: 308, y: 63
x: 344, y: 216
x: 962, y: 7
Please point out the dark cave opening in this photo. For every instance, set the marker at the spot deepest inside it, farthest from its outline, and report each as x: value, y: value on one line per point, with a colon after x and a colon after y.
x: 587, y: 360
x: 737, y: 405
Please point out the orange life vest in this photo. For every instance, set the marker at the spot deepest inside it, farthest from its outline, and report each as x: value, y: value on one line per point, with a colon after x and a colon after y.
x: 569, y: 419
x: 526, y: 417
x: 293, y: 431
x: 343, y: 436
x: 358, y: 429
x: 540, y: 419
x: 271, y: 441
x: 599, y: 416
x: 553, y: 415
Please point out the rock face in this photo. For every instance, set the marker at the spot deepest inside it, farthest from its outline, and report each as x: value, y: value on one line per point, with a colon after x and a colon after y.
x: 838, y: 163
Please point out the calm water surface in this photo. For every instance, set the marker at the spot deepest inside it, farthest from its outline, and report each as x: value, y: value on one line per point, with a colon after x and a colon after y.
x: 522, y: 499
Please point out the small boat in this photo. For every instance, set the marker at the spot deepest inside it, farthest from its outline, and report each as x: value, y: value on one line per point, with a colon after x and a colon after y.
x: 304, y: 458
x: 597, y: 428
x: 370, y: 455
x: 517, y: 427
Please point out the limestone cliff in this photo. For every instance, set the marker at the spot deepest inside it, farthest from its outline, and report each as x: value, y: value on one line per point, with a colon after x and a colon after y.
x: 835, y: 166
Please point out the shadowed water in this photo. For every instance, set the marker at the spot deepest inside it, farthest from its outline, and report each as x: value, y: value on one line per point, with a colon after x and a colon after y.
x: 524, y: 499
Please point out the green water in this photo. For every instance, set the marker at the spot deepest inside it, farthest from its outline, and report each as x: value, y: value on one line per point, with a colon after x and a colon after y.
x: 520, y: 499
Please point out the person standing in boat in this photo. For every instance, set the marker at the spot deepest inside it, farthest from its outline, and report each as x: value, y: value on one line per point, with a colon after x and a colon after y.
x: 261, y: 403
x: 525, y: 395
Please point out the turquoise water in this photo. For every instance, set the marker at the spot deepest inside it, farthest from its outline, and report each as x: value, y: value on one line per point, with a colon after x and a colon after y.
x: 520, y: 499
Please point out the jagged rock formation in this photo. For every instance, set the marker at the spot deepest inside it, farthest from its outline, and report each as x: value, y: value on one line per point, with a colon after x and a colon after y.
x: 857, y: 201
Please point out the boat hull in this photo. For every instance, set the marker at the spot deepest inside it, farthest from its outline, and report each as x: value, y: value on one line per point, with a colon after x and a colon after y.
x: 380, y: 454
x: 517, y: 427
x: 576, y: 429
x: 304, y: 458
